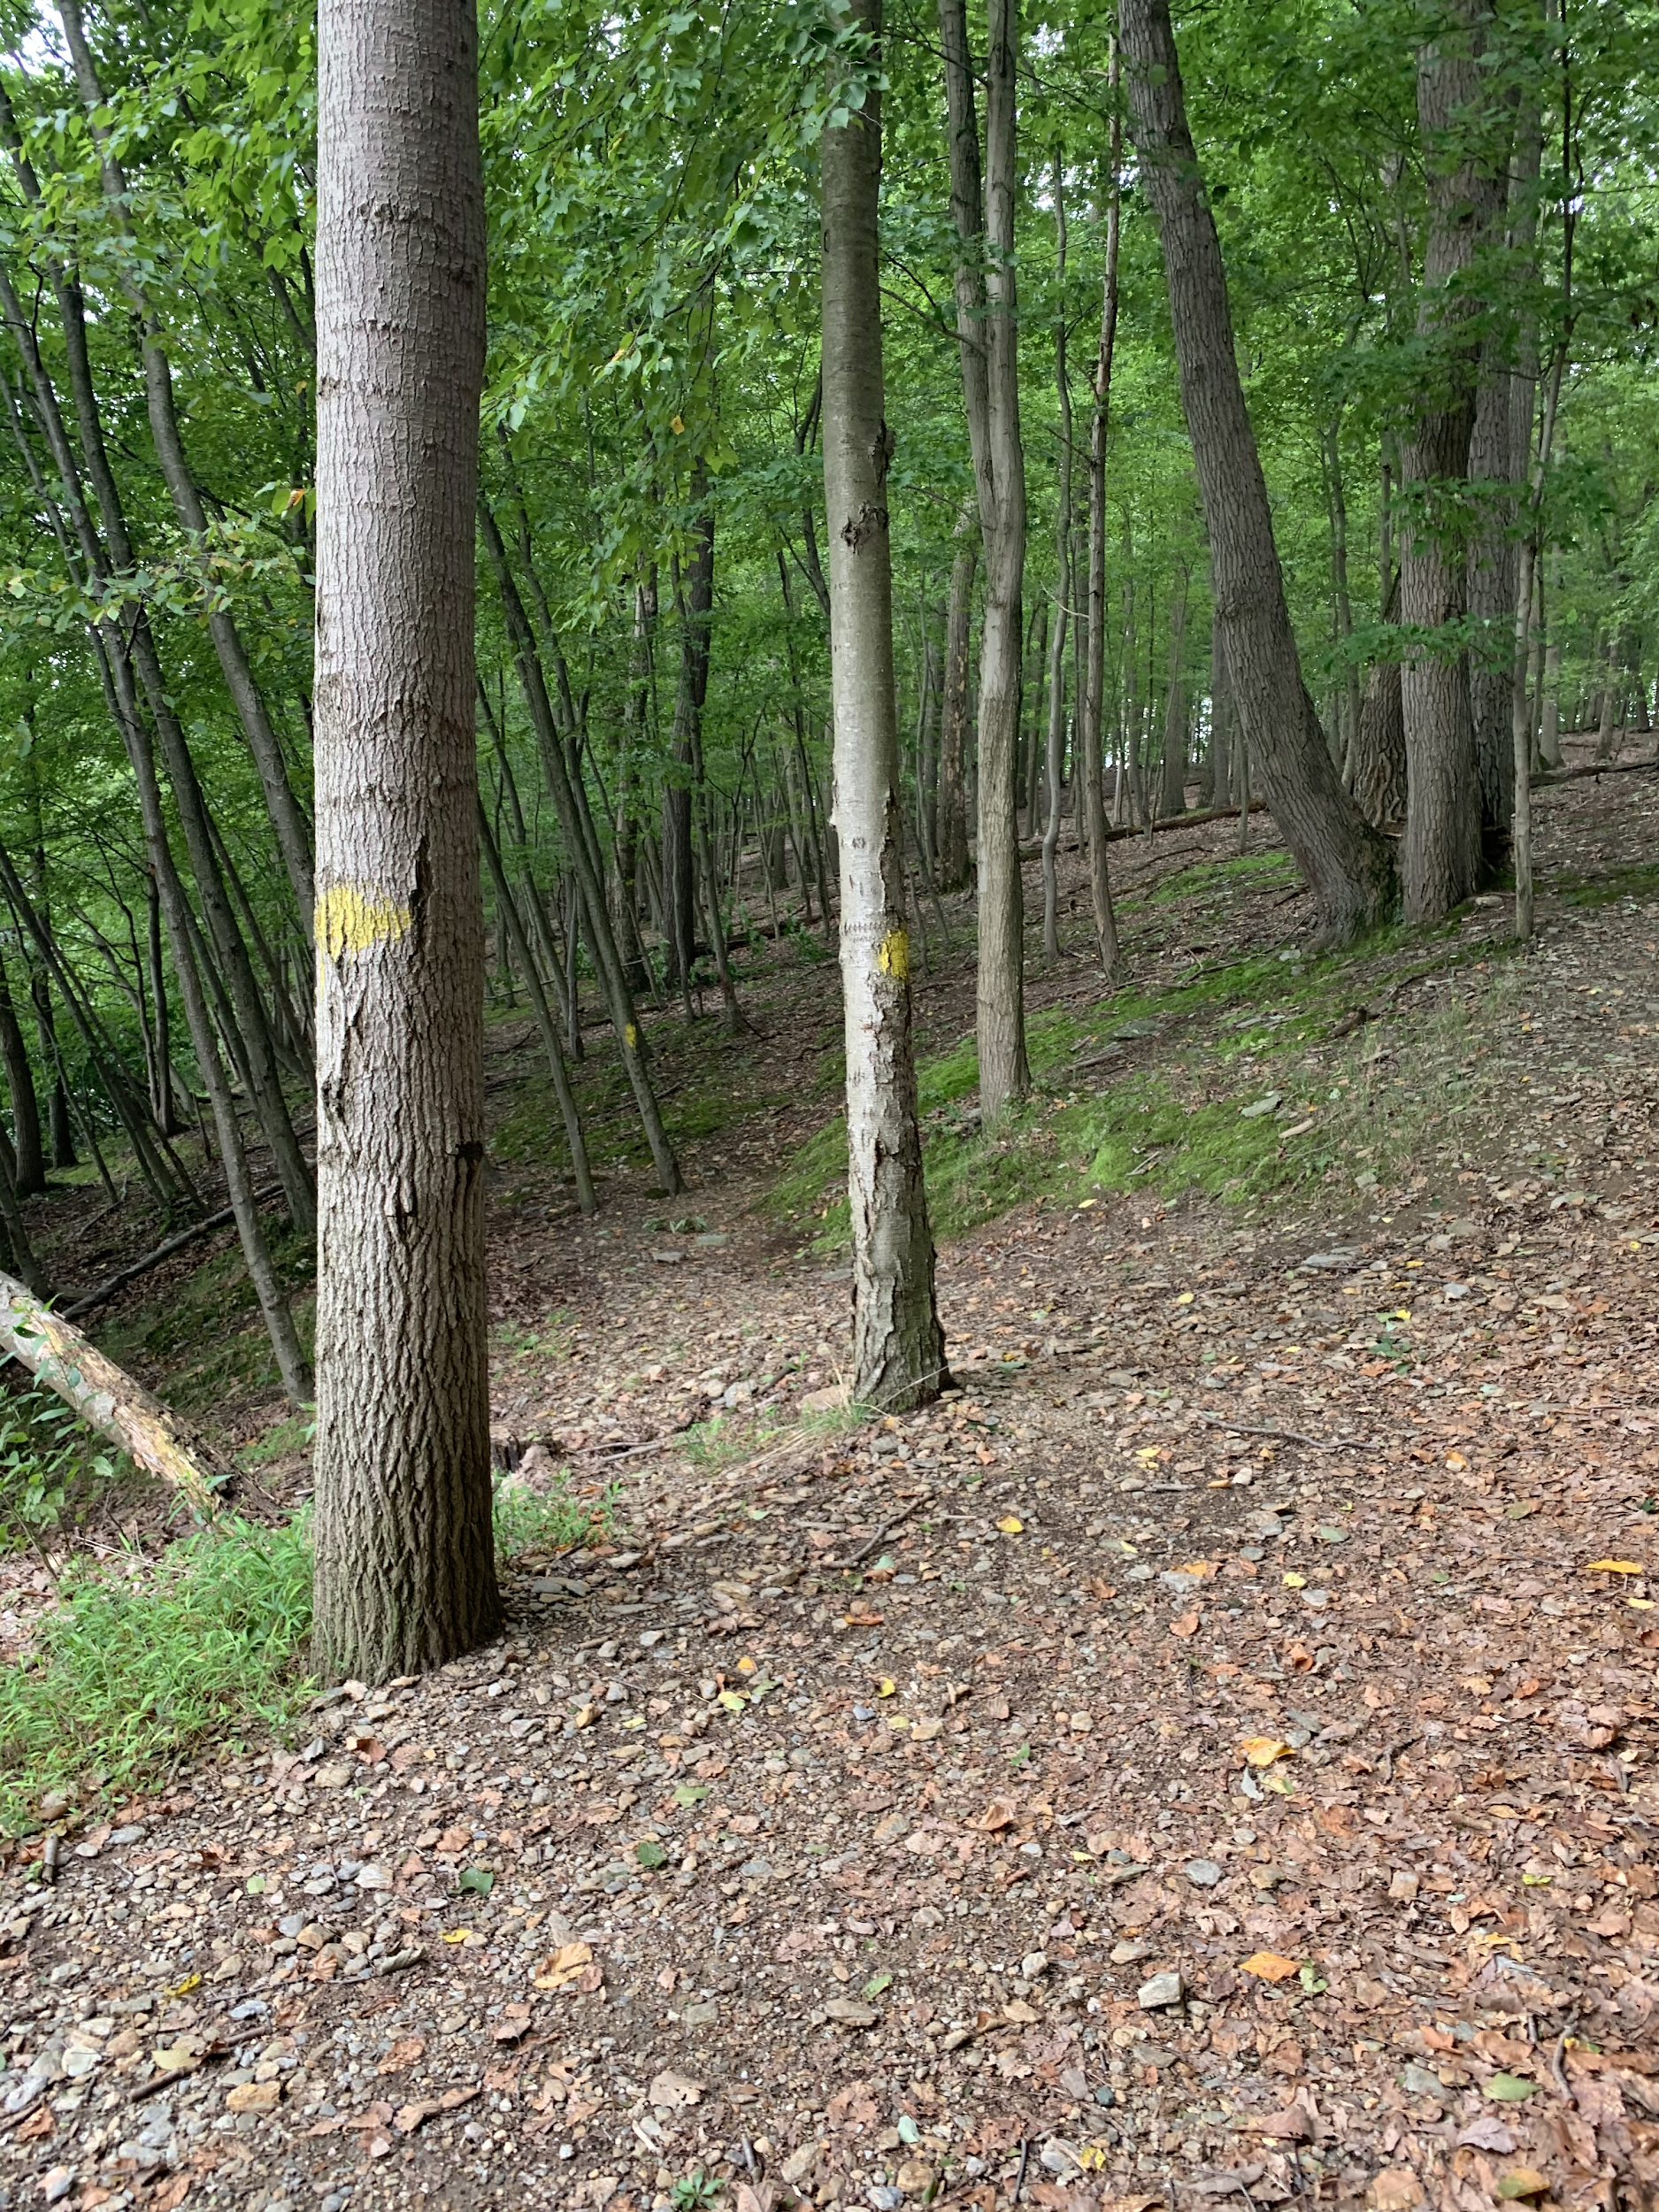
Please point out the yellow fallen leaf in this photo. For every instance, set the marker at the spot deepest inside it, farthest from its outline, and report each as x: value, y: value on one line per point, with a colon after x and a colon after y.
x: 747, y: 1665
x: 183, y: 1988
x: 1268, y: 1966
x: 1186, y: 1298
x: 1613, y: 1567
x: 1294, y: 1581
x: 1456, y: 1459
x: 565, y: 1965
x: 886, y: 1686
x: 1261, y: 1751
x: 734, y: 1700
x: 1011, y: 1525
x: 457, y: 1935
x: 1203, y: 1568
x: 1642, y: 1605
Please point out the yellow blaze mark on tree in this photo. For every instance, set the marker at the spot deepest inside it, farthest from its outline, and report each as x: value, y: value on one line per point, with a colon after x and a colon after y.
x: 633, y: 1036
x: 893, y: 957
x: 351, y: 920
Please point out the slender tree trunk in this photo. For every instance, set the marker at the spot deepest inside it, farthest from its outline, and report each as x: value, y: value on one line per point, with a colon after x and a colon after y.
x: 293, y: 839
x: 1172, y: 796
x: 898, y: 1347
x: 29, y: 1162
x: 1092, y: 700
x: 954, y: 712
x: 1346, y: 865
x: 1221, y: 747
x: 507, y: 913
x: 988, y: 329
x: 406, y: 1559
x: 612, y: 978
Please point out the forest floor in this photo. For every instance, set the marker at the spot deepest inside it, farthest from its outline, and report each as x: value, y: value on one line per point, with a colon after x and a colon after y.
x: 1209, y: 1756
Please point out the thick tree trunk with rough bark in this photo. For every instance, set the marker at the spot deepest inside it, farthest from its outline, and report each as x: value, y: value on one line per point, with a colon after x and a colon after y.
x: 898, y: 1347
x: 30, y: 1161
x: 988, y: 328
x: 1439, y: 858
x: 405, y: 1559
x: 1348, y: 865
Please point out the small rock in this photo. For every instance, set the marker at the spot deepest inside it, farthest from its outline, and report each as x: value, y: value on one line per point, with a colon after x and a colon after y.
x: 1127, y: 1953
x: 850, y: 2013
x: 915, y: 2177
x: 703, y: 2016
x: 254, y: 2096
x: 132, y: 1835
x: 829, y: 1399
x: 1417, y: 2081
x: 799, y: 2164
x: 1261, y: 1106
x: 1162, y: 1990
x: 885, y: 2198
x: 1034, y: 1964
x: 57, y: 2184
x: 335, y: 1775
x: 1202, y: 1873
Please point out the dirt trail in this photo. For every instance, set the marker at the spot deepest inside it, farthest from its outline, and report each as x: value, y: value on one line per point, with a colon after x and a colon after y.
x: 1202, y: 1759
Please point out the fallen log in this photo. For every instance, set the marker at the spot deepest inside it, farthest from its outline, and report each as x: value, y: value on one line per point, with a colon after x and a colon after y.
x: 165, y: 1250
x: 108, y: 1398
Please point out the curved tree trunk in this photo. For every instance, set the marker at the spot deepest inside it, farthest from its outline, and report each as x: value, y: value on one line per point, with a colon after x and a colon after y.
x: 1347, y: 866
x: 406, y: 1559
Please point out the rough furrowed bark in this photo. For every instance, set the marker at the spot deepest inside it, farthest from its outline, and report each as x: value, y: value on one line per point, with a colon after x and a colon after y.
x: 1348, y: 865
x: 405, y: 1576
x: 897, y: 1343
x: 108, y: 1399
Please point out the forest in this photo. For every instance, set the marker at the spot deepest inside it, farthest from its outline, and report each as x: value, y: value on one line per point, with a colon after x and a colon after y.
x: 825, y: 840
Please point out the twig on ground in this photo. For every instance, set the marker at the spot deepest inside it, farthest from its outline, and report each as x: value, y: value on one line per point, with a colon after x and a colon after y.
x: 1290, y: 1436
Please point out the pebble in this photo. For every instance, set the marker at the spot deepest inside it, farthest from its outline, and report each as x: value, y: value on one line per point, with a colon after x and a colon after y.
x: 1163, y: 1989
x: 1202, y: 1873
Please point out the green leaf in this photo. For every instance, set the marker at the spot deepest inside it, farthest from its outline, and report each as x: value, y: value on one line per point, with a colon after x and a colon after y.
x: 691, y: 1794
x: 1510, y: 2088
x: 1313, y: 1981
x: 479, y: 1879
x: 649, y: 1854
x: 874, y: 1987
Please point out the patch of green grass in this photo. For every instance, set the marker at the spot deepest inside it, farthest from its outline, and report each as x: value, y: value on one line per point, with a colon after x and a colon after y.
x: 1266, y: 870
x: 131, y: 1672
x: 549, y: 1339
x: 550, y: 1520
x: 296, y: 1434
x: 209, y: 1335
x: 1623, y: 883
x: 139, y: 1664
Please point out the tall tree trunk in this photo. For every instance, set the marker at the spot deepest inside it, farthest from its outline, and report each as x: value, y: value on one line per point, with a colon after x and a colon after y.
x: 554, y: 765
x: 1439, y: 858
x: 29, y: 1162
x: 898, y: 1346
x: 1091, y: 701
x: 988, y: 329
x: 1330, y: 443
x: 1172, y: 794
x: 293, y: 839
x: 1346, y: 865
x: 405, y: 1558
x: 956, y: 710
x: 1221, y: 747
x: 1054, y: 746
x: 694, y: 594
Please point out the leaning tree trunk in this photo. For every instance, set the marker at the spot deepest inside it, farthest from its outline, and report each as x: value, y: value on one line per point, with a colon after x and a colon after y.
x: 405, y: 1561
x: 988, y: 328
x: 108, y: 1399
x: 898, y: 1347
x: 1348, y: 865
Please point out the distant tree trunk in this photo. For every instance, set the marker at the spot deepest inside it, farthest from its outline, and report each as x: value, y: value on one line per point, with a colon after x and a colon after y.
x: 1440, y: 858
x: 1172, y: 796
x: 406, y: 1559
x: 1055, y: 743
x: 1221, y: 746
x: 1331, y: 444
x: 1347, y: 866
x: 988, y: 328
x: 955, y: 714
x: 695, y: 598
x: 1092, y: 691
x: 29, y: 1162
x: 898, y: 1346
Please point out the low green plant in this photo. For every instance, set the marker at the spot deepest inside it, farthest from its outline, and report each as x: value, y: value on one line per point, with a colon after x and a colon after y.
x: 47, y: 1455
x: 554, y: 1519
x: 141, y: 1660
x: 695, y: 2191
x: 296, y: 1434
